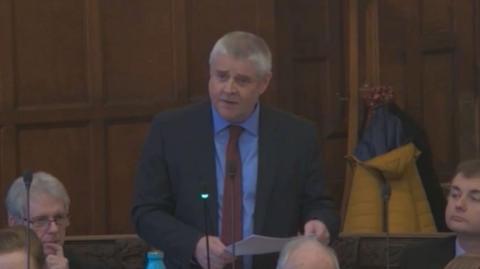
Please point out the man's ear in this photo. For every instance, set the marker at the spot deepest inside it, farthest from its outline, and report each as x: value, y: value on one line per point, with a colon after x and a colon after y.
x: 265, y: 81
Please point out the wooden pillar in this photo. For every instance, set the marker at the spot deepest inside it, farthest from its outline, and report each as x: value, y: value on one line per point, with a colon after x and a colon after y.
x: 352, y: 42
x: 372, y: 65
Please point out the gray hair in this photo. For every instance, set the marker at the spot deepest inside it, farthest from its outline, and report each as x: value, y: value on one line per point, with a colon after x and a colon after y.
x: 243, y: 45
x: 300, y: 241
x: 42, y: 183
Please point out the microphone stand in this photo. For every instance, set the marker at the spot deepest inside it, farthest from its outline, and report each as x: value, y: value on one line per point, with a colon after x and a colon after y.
x: 27, y: 179
x: 204, y: 197
x: 386, y: 193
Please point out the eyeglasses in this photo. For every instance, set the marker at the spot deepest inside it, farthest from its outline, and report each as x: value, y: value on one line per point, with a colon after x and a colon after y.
x: 43, y: 222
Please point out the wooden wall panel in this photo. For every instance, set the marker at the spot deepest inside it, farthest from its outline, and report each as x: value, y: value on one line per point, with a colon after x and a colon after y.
x: 311, y: 80
x: 311, y: 38
x: 80, y: 79
x: 445, y: 45
x: 427, y: 54
x: 317, y: 65
x: 50, y: 52
x: 8, y: 156
x: 439, y: 109
x: 393, y: 36
x: 3, y: 182
x: 310, y: 76
x: 62, y: 150
x: 477, y: 42
x: 310, y: 27
x: 476, y: 103
x: 124, y: 142
x: 138, y: 50
x: 466, y: 78
x: 436, y: 16
x: 6, y: 52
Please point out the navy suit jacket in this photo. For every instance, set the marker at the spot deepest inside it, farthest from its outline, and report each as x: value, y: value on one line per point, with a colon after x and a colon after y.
x: 178, y: 164
x: 432, y: 254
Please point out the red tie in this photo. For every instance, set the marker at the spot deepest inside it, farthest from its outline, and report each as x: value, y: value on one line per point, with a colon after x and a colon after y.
x: 232, y: 190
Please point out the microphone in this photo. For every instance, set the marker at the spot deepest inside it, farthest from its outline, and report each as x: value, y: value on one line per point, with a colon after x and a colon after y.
x: 204, y: 196
x: 27, y: 179
x: 386, y: 193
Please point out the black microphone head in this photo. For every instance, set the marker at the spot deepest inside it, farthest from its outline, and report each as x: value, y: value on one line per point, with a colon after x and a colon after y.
x: 27, y: 178
x: 204, y: 194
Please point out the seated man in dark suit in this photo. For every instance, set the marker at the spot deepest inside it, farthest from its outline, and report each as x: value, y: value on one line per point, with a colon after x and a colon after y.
x: 462, y: 216
x: 49, y: 207
x: 13, y: 254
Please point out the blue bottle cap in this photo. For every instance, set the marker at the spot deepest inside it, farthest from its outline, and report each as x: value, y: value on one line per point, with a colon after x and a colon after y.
x: 155, y: 255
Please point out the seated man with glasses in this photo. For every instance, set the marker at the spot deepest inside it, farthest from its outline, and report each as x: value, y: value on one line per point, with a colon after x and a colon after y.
x: 49, y: 207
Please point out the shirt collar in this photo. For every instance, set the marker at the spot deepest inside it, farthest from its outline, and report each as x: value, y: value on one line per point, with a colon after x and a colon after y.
x: 250, y: 124
x: 458, y: 249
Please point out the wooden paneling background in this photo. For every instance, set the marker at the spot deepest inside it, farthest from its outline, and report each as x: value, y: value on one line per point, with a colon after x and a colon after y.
x: 428, y: 54
x: 311, y: 80
x: 81, y: 79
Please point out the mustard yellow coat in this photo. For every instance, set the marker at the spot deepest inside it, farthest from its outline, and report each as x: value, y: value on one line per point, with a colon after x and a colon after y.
x: 408, y: 207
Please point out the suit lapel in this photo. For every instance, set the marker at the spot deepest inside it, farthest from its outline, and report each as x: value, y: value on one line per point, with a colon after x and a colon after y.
x: 267, y: 158
x: 204, y: 147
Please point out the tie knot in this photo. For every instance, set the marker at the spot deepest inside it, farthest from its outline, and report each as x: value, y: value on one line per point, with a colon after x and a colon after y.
x: 234, y: 131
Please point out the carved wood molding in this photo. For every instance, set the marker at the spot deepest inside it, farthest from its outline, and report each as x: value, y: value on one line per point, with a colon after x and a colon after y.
x: 353, y: 251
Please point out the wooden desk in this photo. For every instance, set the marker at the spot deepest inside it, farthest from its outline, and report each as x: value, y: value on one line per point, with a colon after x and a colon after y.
x: 355, y: 251
x: 116, y: 251
x: 369, y: 251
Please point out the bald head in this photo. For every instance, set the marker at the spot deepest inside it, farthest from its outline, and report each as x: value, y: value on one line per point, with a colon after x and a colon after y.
x: 307, y: 253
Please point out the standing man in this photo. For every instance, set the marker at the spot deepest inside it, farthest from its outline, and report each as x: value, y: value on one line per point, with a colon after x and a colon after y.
x: 462, y: 216
x: 49, y: 208
x: 259, y: 166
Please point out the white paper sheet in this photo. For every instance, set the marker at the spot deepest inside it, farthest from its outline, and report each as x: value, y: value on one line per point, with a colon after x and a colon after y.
x: 258, y: 244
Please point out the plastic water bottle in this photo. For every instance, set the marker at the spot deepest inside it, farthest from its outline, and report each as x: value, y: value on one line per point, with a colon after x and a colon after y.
x: 155, y: 260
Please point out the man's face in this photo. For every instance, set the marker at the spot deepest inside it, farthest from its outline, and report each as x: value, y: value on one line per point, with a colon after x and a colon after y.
x: 15, y: 260
x: 235, y: 87
x: 49, y: 220
x: 463, y: 208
